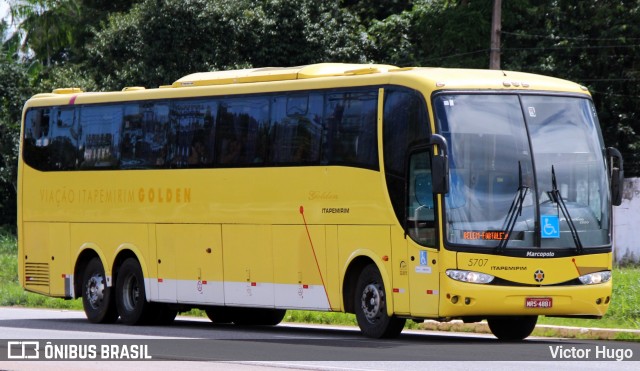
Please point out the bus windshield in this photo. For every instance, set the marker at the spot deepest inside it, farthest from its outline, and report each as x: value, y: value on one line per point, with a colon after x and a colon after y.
x: 526, y: 171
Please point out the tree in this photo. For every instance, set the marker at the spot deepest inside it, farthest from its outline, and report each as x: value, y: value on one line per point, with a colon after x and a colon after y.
x: 153, y: 45
x: 56, y: 31
x: 105, y: 45
x: 14, y: 90
x: 435, y: 33
x: 46, y: 26
x: 370, y: 11
x: 596, y: 44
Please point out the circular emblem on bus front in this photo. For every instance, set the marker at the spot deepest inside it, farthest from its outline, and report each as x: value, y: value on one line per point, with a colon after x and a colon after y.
x: 539, y: 275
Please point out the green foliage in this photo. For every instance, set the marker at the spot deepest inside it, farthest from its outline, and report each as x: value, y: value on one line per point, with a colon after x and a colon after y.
x: 324, y: 318
x: 11, y: 294
x: 157, y: 42
x: 435, y: 33
x: 67, y: 75
x: 627, y: 336
x: 106, y: 45
x: 14, y: 90
x: 394, y: 40
x: 369, y: 11
x: 46, y: 26
x: 8, y: 262
x: 624, y: 310
x: 596, y: 44
x: 56, y: 31
x: 626, y: 301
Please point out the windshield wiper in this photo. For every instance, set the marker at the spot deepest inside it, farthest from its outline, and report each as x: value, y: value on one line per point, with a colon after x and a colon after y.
x: 514, y: 211
x: 556, y: 197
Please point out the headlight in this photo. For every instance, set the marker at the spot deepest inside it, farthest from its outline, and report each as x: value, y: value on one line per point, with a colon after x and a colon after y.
x: 469, y: 276
x: 595, y: 278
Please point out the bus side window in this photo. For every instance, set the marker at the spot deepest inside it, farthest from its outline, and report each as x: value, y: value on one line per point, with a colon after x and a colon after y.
x: 420, y: 208
x: 191, y: 134
x: 100, y: 127
x: 242, y: 128
x: 136, y: 136
x: 296, y: 130
x: 65, y: 137
x: 36, y: 138
x: 352, y: 130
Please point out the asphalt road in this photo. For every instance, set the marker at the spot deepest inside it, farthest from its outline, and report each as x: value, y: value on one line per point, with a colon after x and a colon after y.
x: 192, y: 344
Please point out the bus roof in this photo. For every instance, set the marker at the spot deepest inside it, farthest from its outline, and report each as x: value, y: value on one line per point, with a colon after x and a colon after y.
x: 434, y: 78
x: 280, y: 73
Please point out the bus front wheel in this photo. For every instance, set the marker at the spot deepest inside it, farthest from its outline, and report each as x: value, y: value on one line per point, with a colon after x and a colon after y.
x: 512, y: 328
x: 371, y: 306
x: 97, y: 301
x: 130, y: 294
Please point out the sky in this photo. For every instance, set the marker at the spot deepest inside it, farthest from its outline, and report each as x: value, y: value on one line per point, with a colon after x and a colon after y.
x: 4, y: 9
x: 4, y: 14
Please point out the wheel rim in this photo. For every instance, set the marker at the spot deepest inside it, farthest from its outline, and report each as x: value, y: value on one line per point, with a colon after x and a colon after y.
x: 372, y: 302
x: 130, y: 293
x: 95, y: 290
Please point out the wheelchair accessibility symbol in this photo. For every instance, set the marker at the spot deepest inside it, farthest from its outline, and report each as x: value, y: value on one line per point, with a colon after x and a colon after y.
x: 550, y: 226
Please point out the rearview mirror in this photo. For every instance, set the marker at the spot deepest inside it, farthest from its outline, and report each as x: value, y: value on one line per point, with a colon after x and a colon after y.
x: 440, y: 165
x: 617, y: 175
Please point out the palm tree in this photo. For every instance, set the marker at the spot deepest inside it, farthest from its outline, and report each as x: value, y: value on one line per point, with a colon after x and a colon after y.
x: 46, y: 27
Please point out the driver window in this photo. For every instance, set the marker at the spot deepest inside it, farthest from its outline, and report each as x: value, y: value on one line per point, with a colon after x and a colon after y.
x: 420, y: 208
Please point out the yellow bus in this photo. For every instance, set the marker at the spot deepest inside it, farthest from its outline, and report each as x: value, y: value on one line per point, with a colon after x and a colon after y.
x: 392, y: 193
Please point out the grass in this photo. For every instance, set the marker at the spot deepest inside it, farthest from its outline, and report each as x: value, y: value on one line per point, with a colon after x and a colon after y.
x: 11, y: 294
x: 624, y: 311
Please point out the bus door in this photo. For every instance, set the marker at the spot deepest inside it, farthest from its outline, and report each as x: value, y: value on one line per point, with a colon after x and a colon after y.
x: 420, y: 229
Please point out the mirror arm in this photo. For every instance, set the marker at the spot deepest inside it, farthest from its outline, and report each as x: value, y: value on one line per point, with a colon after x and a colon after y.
x: 441, y: 142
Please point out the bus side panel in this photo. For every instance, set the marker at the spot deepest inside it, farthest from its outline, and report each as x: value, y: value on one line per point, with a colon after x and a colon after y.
x: 424, y: 280
x: 167, y: 278
x: 400, y: 261
x: 248, y: 265
x: 47, y: 267
x: 111, y: 238
x: 298, y: 278
x: 371, y: 241
x: 192, y: 258
x: 333, y: 279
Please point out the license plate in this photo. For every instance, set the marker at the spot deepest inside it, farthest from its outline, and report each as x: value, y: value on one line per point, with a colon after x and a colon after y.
x: 538, y: 302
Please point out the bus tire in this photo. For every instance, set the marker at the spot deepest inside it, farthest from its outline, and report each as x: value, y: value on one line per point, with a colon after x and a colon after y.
x: 514, y: 328
x: 97, y: 300
x: 371, y: 306
x: 130, y: 295
x: 220, y: 315
x: 259, y: 316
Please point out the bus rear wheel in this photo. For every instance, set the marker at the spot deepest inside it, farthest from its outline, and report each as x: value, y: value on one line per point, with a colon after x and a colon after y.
x: 130, y: 294
x: 512, y: 328
x: 371, y: 306
x: 97, y: 300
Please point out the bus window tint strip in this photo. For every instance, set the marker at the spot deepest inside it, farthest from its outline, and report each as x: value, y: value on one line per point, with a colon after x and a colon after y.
x: 334, y: 127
